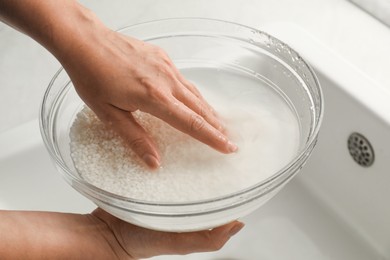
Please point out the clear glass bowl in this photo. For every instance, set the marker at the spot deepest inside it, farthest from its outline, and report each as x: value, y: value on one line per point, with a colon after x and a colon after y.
x: 202, y: 42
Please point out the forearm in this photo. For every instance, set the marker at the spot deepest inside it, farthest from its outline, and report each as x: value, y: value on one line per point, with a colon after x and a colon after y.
x: 50, y: 235
x: 116, y: 75
x: 61, y: 26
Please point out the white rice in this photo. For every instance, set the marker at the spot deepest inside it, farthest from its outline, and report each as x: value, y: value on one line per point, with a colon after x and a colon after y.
x: 190, y: 170
x: 259, y: 121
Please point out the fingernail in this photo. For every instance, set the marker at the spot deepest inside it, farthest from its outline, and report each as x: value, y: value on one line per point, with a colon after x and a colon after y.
x: 232, y: 147
x: 151, y: 161
x: 236, y: 228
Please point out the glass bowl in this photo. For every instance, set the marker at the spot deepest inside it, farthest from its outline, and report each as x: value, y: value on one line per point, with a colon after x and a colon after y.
x: 198, y: 43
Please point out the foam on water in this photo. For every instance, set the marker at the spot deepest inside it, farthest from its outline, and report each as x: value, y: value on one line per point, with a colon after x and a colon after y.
x: 258, y: 120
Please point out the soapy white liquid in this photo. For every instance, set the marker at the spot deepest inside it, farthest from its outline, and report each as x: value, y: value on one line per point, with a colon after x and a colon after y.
x: 258, y: 120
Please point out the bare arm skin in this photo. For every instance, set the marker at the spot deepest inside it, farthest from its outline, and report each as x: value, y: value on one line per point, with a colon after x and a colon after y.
x: 116, y: 75
x: 51, y: 235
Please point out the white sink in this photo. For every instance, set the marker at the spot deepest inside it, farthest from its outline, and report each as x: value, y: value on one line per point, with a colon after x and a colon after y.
x: 334, y: 209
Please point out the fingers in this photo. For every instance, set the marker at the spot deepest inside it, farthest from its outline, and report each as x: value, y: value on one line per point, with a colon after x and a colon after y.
x: 180, y: 116
x: 171, y: 243
x: 134, y: 135
x: 196, y: 93
x: 194, y: 116
x: 202, y: 241
x: 142, y: 243
x: 197, y: 104
x: 176, y: 101
x: 184, y: 108
x: 193, y: 89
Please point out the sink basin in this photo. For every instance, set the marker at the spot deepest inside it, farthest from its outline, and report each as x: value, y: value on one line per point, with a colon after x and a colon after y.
x: 333, y: 209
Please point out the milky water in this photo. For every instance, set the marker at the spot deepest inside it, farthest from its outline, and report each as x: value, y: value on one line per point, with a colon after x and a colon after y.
x: 258, y: 119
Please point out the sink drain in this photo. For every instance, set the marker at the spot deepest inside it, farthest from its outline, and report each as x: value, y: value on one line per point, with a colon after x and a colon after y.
x: 361, y: 150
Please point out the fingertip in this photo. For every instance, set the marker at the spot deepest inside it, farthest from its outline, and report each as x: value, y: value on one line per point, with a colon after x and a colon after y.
x: 231, y: 147
x: 145, y: 148
x: 151, y: 161
x: 228, y: 229
x: 236, y: 228
x: 221, y: 235
x: 225, y: 145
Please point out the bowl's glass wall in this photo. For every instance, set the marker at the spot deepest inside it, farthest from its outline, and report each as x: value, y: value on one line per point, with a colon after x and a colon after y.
x: 226, y: 44
x: 58, y: 111
x: 191, y: 43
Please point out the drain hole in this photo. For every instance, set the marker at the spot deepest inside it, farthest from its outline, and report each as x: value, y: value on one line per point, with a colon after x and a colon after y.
x: 361, y: 150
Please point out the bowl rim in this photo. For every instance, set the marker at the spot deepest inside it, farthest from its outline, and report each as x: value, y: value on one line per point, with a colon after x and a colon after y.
x: 301, y: 156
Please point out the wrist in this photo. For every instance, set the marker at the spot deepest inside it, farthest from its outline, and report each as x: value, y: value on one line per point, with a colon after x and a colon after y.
x: 71, y: 32
x: 61, y: 26
x: 50, y: 235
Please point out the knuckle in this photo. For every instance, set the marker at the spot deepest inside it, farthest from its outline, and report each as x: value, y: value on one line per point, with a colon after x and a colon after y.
x: 160, y: 52
x: 167, y: 70
x: 137, y: 144
x: 157, y: 96
x: 163, y: 57
x: 146, y: 82
x: 202, y: 111
x: 197, y: 122
x: 216, y: 245
x: 153, y: 93
x: 212, y: 243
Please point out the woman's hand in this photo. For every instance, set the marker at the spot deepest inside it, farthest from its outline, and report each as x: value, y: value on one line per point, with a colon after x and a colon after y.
x: 99, y: 235
x: 117, y: 75
x: 132, y: 242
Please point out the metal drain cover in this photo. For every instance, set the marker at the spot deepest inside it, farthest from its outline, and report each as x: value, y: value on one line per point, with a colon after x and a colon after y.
x: 361, y: 150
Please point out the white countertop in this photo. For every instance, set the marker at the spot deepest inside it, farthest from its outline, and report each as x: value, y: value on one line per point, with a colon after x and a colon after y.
x: 26, y: 68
